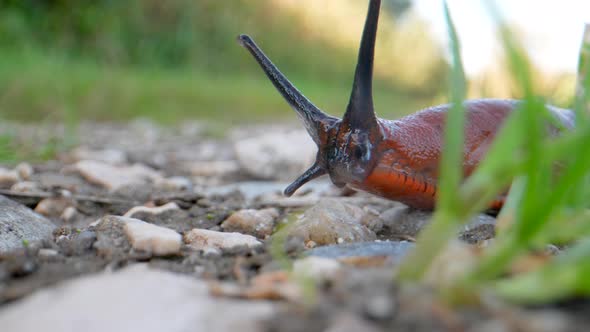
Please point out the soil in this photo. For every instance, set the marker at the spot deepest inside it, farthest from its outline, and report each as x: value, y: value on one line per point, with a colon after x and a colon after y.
x: 363, y: 296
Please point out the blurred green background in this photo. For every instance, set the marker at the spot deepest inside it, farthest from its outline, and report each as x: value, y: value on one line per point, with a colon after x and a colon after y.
x: 111, y: 60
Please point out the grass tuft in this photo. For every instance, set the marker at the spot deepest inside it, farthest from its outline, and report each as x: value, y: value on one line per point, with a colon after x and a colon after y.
x: 549, y: 178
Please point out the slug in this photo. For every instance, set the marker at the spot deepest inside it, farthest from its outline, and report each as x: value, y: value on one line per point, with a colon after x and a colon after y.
x: 397, y: 159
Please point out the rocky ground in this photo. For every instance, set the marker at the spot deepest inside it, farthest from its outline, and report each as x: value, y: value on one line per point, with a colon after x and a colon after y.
x: 143, y: 228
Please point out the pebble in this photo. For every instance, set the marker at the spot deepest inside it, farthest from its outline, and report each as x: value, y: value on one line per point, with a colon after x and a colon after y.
x: 276, y: 155
x: 24, y: 171
x: 83, y: 241
x: 202, y: 239
x: 20, y: 226
x: 135, y: 298
x: 111, y: 240
x: 48, y: 254
x: 151, y: 210
x: 61, y: 181
x: 25, y: 187
x: 159, y: 241
x: 53, y: 206
x: 115, y: 177
x: 317, y: 268
x: 393, y: 249
x: 175, y: 183
x: 218, y: 168
x: 69, y: 214
x: 259, y: 223
x: 331, y: 221
x: 404, y: 221
x: 8, y: 177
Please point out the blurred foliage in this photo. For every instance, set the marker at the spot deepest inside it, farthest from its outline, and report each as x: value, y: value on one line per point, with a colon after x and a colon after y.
x: 58, y: 55
x: 398, y: 8
x: 171, y: 33
x: 547, y: 203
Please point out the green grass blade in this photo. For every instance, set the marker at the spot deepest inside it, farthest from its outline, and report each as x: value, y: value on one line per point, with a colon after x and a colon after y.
x: 446, y: 218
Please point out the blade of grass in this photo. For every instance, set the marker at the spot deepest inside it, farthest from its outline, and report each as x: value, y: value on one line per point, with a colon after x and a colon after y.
x: 446, y: 218
x: 535, y: 173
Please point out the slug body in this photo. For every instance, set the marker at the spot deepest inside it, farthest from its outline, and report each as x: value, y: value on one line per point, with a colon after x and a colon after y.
x: 395, y: 159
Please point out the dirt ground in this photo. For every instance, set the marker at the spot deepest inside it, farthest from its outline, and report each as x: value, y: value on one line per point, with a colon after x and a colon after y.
x: 352, y: 283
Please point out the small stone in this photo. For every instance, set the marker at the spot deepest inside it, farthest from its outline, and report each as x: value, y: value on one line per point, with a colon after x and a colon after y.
x: 53, y: 206
x: 404, y: 221
x: 109, y: 156
x: 481, y: 228
x: 159, y: 241
x: 151, y: 210
x: 115, y: 177
x: 202, y: 239
x: 25, y: 187
x: 213, y: 168
x: 276, y: 155
x: 317, y: 268
x: 60, y: 181
x: 48, y: 254
x: 332, y: 221
x: 8, y: 177
x: 478, y: 234
x: 24, y: 171
x: 83, y: 241
x: 20, y: 226
x: 259, y: 223
x: 135, y: 298
x: 69, y: 214
x: 175, y: 183
x: 394, y: 249
x: 111, y: 240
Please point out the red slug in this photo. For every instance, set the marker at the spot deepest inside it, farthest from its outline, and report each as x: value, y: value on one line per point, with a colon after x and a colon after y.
x: 396, y: 159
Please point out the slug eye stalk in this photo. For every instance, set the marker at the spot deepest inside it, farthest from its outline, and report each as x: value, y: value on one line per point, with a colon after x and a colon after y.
x: 313, y: 118
x: 327, y: 131
x: 360, y: 114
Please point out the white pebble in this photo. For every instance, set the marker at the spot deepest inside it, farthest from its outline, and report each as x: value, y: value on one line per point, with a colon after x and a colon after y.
x: 202, y: 239
x: 24, y: 171
x: 114, y: 177
x: 159, y: 241
x: 25, y: 187
x: 152, y: 210
x: 69, y: 214
x: 318, y: 268
x: 8, y: 177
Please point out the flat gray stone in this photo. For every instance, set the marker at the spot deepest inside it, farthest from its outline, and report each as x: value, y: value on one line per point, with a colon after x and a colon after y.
x: 19, y: 225
x: 134, y: 299
x: 331, y: 221
x: 396, y: 249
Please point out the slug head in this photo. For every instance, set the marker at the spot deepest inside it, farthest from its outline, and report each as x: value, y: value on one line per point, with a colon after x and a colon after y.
x: 347, y: 147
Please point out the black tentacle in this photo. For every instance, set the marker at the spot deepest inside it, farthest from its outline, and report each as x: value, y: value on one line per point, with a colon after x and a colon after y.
x: 360, y: 113
x: 308, y: 112
x: 313, y: 172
